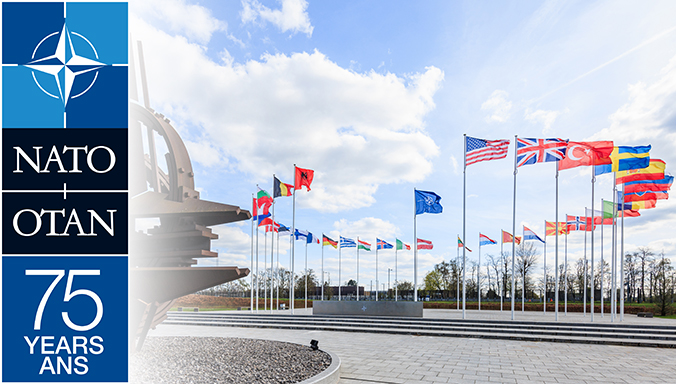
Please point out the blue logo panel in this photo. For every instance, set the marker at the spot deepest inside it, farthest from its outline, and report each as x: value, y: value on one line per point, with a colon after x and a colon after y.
x: 67, y: 61
x: 69, y: 322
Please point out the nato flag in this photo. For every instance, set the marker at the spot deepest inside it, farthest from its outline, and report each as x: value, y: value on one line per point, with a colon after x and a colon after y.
x: 427, y: 202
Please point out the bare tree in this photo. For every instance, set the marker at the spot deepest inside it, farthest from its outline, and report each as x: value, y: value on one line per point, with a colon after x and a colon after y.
x: 526, y: 256
x: 664, y: 284
x: 643, y: 257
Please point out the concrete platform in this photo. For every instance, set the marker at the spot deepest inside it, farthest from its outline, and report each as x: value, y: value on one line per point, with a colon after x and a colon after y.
x: 368, y: 308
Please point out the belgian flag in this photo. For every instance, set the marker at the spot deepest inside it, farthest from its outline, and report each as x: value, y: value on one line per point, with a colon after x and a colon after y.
x: 282, y: 189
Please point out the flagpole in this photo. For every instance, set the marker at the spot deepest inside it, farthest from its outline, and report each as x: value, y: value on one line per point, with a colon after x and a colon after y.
x: 464, y: 204
x: 523, y: 275
x: 322, y: 266
x: 593, y: 295
x: 252, y: 253
x: 565, y: 276
x: 340, y: 240
x: 358, y: 268
x: 272, y: 242
x: 305, y: 273
x: 602, y: 265
x: 622, y: 262
x: 584, y: 269
x: 614, y: 251
x: 556, y: 247
x: 544, y: 271
x: 396, y: 281
x: 277, y: 271
x: 292, y: 294
x: 478, y: 276
x: 415, y: 253
x: 513, y: 224
x: 265, y: 268
x: 377, y: 281
x: 457, y: 280
x: 258, y: 286
x: 502, y: 293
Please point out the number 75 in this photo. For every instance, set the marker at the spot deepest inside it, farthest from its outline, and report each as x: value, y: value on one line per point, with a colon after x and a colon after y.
x: 59, y: 273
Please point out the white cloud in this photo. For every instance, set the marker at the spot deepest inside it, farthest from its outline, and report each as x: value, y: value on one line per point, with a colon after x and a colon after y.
x: 454, y: 163
x: 367, y: 229
x: 546, y: 118
x: 299, y: 109
x: 190, y: 20
x: 497, y: 106
x: 292, y: 17
x: 205, y: 153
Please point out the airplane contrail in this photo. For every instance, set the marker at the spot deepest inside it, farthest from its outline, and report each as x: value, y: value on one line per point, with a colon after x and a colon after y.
x: 643, y: 44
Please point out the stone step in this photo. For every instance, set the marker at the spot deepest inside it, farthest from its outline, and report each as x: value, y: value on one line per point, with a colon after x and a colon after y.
x: 561, y: 333
x: 595, y: 339
x: 609, y: 328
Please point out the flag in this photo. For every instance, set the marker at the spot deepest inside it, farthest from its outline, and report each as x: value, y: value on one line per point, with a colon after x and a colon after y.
x: 484, y: 240
x: 507, y: 238
x: 550, y: 231
x: 281, y: 189
x: 402, y: 245
x: 599, y: 216
x: 649, y: 185
x: 254, y: 207
x: 264, y: 201
x: 578, y: 223
x: 654, y: 171
x: 626, y: 158
x: 347, y: 243
x: 630, y: 209
x: 483, y: 150
x: 587, y: 153
x: 427, y: 202
x: 424, y: 244
x: 645, y: 196
x: 283, y: 228
x: 303, y: 177
x: 312, y: 239
x: 530, y: 235
x: 364, y: 245
x: 274, y: 227
x: 382, y: 244
x: 261, y: 219
x: 531, y: 151
x: 302, y: 234
x: 327, y: 241
x: 461, y: 244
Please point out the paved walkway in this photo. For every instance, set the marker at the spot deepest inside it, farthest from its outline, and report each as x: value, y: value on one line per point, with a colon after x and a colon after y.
x: 379, y: 358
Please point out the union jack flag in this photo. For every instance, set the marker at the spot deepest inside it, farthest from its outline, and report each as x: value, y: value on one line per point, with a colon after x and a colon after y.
x: 531, y: 151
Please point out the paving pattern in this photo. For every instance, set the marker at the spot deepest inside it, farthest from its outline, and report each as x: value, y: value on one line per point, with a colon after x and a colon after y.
x: 381, y: 358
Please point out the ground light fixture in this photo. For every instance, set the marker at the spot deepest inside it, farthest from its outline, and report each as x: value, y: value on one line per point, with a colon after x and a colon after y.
x: 314, y: 344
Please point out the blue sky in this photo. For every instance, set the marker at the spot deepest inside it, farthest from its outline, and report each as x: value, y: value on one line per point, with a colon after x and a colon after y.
x: 375, y: 97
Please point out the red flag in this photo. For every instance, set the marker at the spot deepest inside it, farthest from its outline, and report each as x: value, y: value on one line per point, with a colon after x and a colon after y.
x: 303, y: 177
x: 255, y: 208
x: 424, y: 244
x: 587, y: 153
x: 507, y: 238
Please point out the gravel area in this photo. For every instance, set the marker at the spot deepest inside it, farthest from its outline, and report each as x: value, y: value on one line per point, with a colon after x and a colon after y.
x: 224, y: 360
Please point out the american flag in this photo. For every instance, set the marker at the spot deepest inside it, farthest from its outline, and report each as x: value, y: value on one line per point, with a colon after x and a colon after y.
x: 531, y: 151
x: 424, y: 244
x: 483, y: 150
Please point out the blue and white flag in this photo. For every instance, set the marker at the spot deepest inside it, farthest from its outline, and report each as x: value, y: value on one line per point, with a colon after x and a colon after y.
x: 427, y: 202
x: 301, y: 234
x: 347, y: 243
x: 528, y: 234
x: 382, y: 244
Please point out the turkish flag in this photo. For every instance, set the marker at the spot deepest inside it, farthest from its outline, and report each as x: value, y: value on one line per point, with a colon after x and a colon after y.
x: 587, y: 153
x: 303, y: 177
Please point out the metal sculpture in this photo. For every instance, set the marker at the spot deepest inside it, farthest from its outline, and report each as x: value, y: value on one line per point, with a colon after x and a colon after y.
x: 162, y: 188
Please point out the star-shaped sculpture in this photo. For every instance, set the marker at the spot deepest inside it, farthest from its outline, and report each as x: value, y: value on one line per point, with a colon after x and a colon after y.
x: 363, y: 308
x: 65, y: 65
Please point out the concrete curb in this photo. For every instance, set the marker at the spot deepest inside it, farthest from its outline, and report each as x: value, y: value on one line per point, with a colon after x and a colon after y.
x: 330, y: 375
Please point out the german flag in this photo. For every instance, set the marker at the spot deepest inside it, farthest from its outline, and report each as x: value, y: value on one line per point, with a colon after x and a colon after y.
x: 281, y: 189
x: 327, y: 241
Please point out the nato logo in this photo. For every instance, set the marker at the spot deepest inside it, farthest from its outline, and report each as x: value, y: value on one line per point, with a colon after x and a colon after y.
x: 64, y: 65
